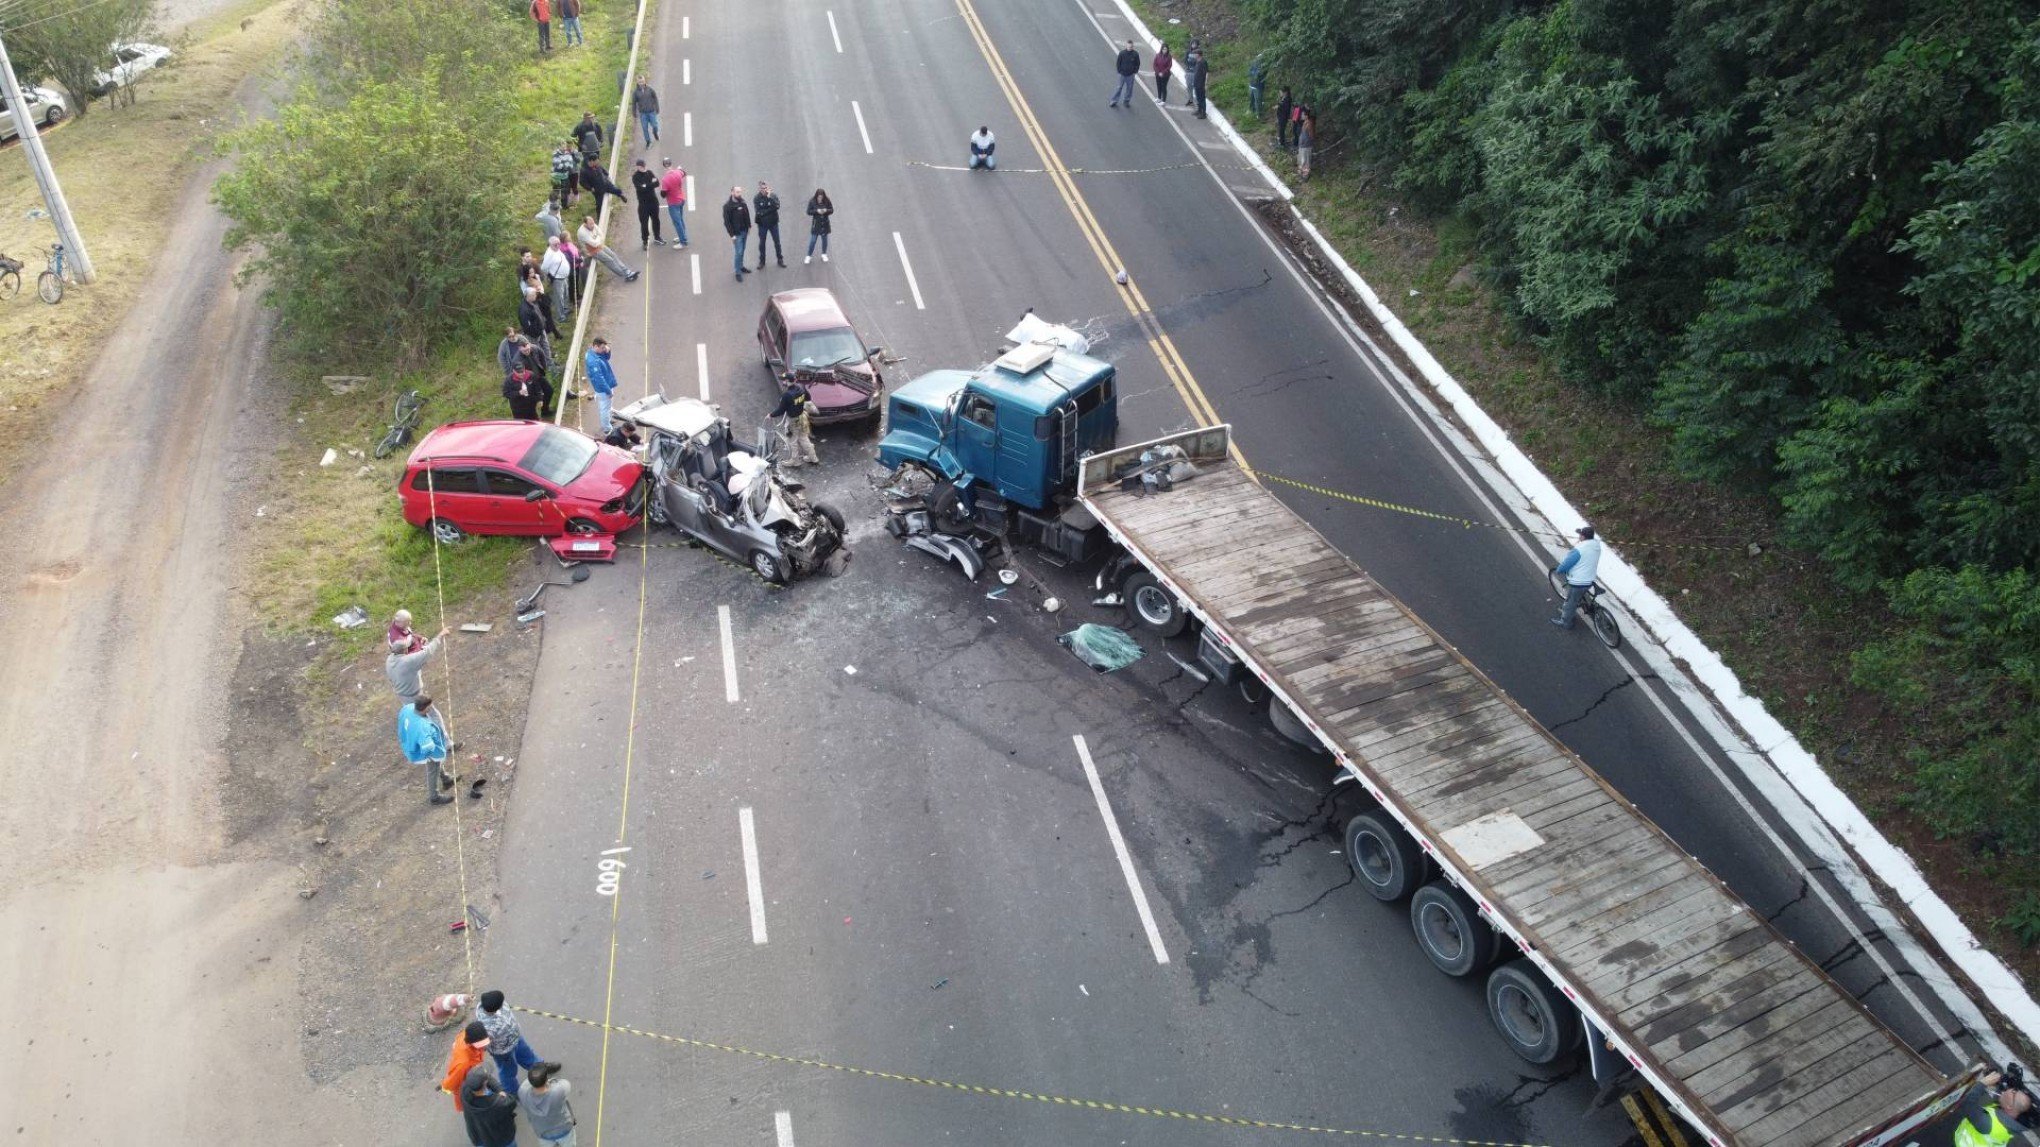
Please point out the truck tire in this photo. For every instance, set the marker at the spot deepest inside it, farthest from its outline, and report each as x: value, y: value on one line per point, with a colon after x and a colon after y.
x: 947, y: 511
x: 1536, y: 1022
x: 1388, y: 863
x: 1291, y: 726
x: 1150, y: 604
x: 1450, y: 930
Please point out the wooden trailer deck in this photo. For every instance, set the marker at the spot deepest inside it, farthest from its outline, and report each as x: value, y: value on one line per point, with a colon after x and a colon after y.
x: 1727, y: 1019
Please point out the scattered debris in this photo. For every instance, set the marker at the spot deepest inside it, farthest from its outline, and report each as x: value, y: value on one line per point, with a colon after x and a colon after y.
x: 342, y: 383
x: 1083, y: 989
x: 1101, y: 647
x: 329, y: 457
x: 943, y: 982
x: 445, y: 1011
x: 529, y: 619
x: 477, y: 627
x: 353, y: 617
x: 997, y: 593
x: 1009, y: 576
x: 850, y: 669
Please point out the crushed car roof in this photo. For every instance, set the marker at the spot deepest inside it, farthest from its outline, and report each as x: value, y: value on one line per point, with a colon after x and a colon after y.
x: 680, y: 417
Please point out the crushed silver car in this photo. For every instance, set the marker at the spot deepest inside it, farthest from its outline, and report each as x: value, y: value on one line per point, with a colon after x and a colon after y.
x: 728, y: 495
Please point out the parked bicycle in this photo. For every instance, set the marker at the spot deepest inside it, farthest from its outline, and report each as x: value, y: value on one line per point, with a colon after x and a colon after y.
x: 10, y: 276
x: 50, y: 284
x: 409, y: 404
x: 1599, y: 617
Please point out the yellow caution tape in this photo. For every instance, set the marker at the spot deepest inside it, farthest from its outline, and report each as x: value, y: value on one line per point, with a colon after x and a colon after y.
x: 1032, y: 1096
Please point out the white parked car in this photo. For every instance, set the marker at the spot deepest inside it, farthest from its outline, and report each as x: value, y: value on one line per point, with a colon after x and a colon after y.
x: 44, y: 107
x: 125, y: 63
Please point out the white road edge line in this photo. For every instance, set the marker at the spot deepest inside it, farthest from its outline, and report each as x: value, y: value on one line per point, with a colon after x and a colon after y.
x: 694, y: 261
x: 1812, y: 828
x: 729, y: 654
x: 782, y: 1126
x: 1140, y: 900
x: 833, y: 35
x: 701, y: 367
x: 912, y: 284
x: 859, y: 113
x: 747, y: 827
x: 686, y: 129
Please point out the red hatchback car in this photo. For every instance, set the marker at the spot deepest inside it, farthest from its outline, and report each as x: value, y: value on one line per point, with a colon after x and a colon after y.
x: 528, y: 478
x: 806, y: 332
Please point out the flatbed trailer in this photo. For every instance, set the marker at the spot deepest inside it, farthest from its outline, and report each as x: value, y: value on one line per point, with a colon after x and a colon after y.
x: 1746, y: 1038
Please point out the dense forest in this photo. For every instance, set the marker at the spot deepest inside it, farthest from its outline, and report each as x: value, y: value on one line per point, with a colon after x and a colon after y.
x: 1800, y: 235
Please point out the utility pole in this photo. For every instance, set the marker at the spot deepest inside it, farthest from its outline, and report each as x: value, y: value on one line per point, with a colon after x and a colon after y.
x: 45, y: 176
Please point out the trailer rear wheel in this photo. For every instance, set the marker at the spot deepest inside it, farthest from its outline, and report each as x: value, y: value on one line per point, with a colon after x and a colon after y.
x: 1388, y: 863
x: 1150, y: 603
x: 1288, y: 724
x: 1535, y: 1020
x: 1450, y: 930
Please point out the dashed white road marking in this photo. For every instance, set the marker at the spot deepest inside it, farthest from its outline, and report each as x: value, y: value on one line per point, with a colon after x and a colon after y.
x: 1140, y: 900
x: 839, y: 47
x: 747, y: 827
x: 912, y: 284
x: 859, y: 113
x: 687, y: 129
x: 701, y: 367
x: 690, y: 193
x: 687, y: 71
x: 782, y: 1125
x: 694, y: 261
x: 685, y: 29
x: 729, y: 654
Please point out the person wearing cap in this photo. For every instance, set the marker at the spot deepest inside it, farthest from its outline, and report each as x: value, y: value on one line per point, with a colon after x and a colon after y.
x: 673, y: 189
x: 543, y: 1099
x: 736, y: 220
x: 646, y: 185
x: 469, y: 1052
x: 423, y: 736
x: 1579, y: 568
x: 489, y: 1111
x: 794, y: 406
x: 506, y: 1039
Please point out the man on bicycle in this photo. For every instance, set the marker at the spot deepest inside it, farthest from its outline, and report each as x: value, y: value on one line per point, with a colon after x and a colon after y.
x: 1578, y: 568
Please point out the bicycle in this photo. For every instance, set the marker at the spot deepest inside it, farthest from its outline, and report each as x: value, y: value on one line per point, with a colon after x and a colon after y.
x: 10, y: 276
x: 409, y: 404
x: 1599, y: 617
x: 50, y: 284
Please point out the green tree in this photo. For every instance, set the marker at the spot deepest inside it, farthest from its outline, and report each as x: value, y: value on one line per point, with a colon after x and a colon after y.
x: 375, y: 220
x: 68, y: 41
x: 467, y: 46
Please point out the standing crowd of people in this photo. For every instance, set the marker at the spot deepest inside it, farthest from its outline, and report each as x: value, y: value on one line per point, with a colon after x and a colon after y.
x: 1295, y: 121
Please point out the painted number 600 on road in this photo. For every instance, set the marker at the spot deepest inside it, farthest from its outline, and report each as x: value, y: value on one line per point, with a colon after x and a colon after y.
x: 609, y: 871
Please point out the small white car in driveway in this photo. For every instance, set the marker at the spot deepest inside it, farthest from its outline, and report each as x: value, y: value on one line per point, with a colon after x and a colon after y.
x: 125, y: 63
x: 45, y: 107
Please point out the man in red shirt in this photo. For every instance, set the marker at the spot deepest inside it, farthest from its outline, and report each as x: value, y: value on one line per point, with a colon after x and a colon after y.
x: 673, y: 189
x: 541, y: 14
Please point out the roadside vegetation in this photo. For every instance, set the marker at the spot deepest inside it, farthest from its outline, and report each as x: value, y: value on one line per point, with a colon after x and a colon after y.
x: 69, y: 42
x: 174, y: 110
x: 1757, y: 286
x: 383, y: 207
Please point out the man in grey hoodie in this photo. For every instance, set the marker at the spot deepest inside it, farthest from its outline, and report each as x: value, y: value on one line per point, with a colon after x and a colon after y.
x: 544, y: 1100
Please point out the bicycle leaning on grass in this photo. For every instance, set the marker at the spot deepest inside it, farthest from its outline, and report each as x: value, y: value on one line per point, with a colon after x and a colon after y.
x: 409, y: 404
x: 50, y: 284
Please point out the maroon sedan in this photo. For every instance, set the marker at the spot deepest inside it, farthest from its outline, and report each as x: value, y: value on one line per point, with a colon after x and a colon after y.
x: 806, y: 332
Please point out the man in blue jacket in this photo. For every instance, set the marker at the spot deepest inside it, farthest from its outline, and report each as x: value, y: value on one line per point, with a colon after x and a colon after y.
x: 1579, y: 569
x: 601, y: 380
x: 425, y: 744
x: 1128, y: 66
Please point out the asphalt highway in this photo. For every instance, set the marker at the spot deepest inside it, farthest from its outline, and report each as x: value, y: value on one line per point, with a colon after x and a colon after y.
x: 857, y: 814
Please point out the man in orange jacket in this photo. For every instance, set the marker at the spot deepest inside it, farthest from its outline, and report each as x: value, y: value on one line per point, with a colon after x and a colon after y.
x: 471, y: 1049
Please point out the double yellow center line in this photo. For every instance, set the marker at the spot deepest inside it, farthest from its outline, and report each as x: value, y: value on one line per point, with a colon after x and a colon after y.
x: 1158, y: 340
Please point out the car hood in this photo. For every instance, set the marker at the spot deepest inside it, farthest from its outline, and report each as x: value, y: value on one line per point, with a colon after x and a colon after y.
x: 609, y: 473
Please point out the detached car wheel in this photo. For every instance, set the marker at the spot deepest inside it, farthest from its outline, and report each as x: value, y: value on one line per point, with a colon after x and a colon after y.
x: 446, y: 532
x: 834, y: 515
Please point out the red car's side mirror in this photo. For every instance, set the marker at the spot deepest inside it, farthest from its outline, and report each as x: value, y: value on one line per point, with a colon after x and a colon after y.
x: 537, y: 495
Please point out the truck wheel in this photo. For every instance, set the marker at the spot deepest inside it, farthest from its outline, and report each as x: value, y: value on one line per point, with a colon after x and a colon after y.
x: 1288, y: 724
x: 1153, y: 607
x: 1450, y: 930
x: 1388, y: 863
x: 947, y: 511
x: 1535, y: 1020
x: 1253, y: 691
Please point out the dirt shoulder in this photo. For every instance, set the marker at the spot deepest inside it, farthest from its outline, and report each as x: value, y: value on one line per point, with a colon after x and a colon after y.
x: 122, y: 171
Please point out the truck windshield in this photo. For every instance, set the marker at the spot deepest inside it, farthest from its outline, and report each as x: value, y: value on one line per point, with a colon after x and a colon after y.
x: 825, y: 348
x: 559, y: 456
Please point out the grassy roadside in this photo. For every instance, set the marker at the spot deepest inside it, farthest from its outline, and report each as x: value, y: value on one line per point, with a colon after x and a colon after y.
x: 1785, y: 628
x: 340, y: 539
x: 45, y: 350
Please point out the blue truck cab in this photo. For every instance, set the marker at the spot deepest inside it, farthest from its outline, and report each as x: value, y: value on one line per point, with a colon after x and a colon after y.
x: 1013, y: 429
